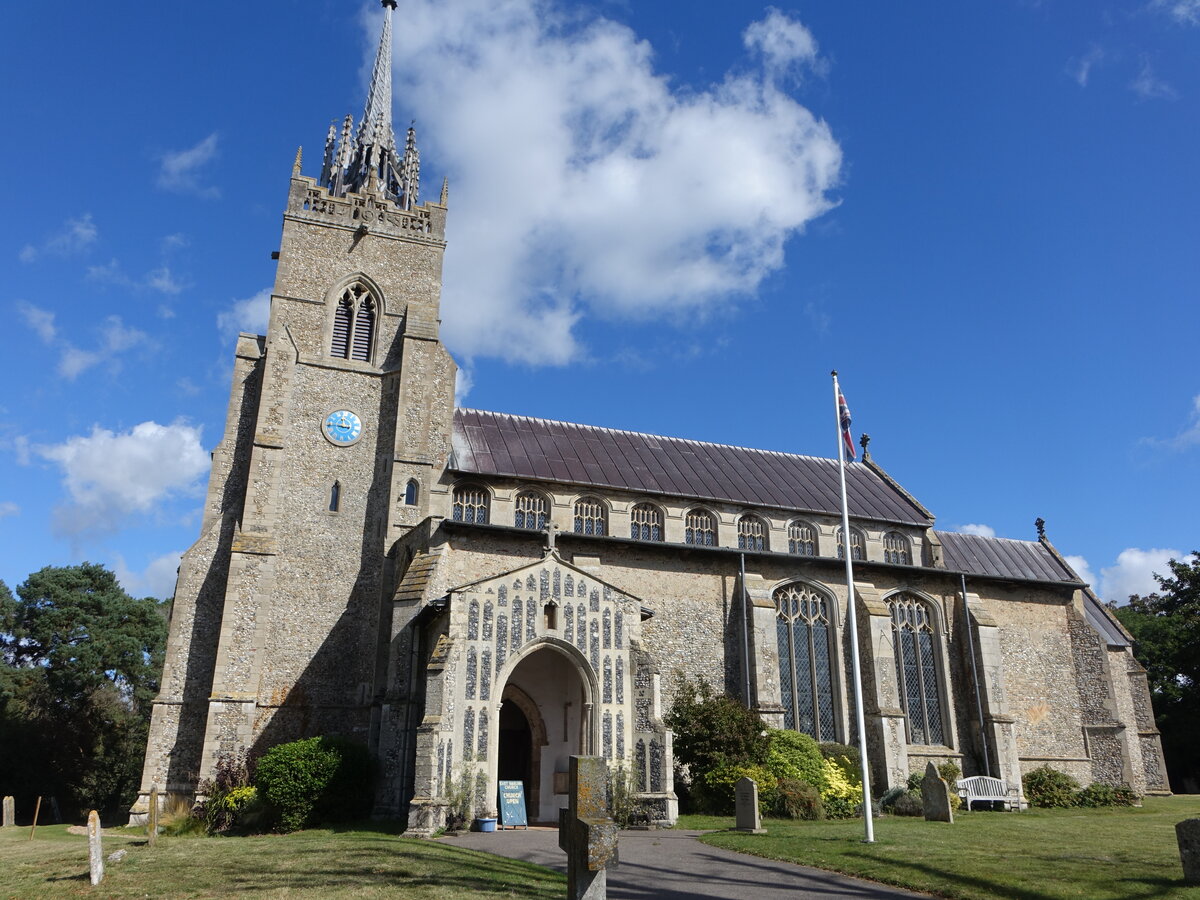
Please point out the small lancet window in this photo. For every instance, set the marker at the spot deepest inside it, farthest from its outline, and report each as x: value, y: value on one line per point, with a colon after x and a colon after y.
x: 550, y: 616
x: 335, y: 496
x: 354, y: 324
x: 410, y: 492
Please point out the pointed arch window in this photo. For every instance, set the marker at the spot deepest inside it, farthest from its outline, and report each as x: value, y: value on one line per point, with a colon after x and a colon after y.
x: 752, y: 533
x: 470, y: 504
x: 533, y: 510
x: 410, y: 492
x: 645, y: 522
x: 803, y: 633
x: 700, y: 528
x: 897, y: 549
x: 802, y: 539
x: 858, y: 544
x: 916, y: 666
x: 354, y: 324
x: 591, y: 516
x: 335, y: 496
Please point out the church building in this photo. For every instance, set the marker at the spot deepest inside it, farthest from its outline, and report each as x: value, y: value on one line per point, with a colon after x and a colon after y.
x: 467, y: 590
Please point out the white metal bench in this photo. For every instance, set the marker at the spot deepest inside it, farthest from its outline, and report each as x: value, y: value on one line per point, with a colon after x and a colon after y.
x: 985, y: 788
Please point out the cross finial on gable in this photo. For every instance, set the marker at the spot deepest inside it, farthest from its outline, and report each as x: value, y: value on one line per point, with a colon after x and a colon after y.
x: 550, y: 531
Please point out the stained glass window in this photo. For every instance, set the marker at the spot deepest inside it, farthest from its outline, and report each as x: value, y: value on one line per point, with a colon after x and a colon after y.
x: 700, y: 528
x: 805, y: 677
x: 916, y: 667
x: 591, y: 516
x: 645, y: 522
x: 802, y: 539
x: 897, y: 549
x: 470, y: 504
x: 858, y: 545
x: 752, y: 533
x: 532, y: 510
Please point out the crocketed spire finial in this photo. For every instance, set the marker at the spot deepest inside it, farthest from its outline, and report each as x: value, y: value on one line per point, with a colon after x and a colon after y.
x: 370, y: 162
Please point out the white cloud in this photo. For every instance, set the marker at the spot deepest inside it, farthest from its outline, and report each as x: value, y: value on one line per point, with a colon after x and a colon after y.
x: 156, y: 580
x: 1081, y: 69
x: 1149, y: 86
x: 1185, y: 12
x: 1083, y: 570
x: 109, y: 476
x: 8, y: 508
x: 981, y: 530
x: 40, y: 320
x: 586, y: 183
x: 180, y: 169
x: 1134, y: 573
x: 1187, y: 438
x: 249, y: 315
x: 160, y: 279
x: 463, y: 382
x: 115, y: 339
x: 75, y: 235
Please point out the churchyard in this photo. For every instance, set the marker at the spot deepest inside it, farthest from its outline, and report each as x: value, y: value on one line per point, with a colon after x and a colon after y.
x: 1033, y: 855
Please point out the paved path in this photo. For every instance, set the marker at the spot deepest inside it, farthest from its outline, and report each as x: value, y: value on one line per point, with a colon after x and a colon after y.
x: 673, y: 865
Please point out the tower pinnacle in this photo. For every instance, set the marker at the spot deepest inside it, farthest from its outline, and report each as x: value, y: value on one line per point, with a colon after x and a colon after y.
x: 371, y: 161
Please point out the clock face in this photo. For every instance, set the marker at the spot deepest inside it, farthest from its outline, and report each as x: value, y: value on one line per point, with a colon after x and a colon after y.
x: 342, y: 427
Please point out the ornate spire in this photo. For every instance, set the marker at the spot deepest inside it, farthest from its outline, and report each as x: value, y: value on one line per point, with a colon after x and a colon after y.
x: 369, y: 162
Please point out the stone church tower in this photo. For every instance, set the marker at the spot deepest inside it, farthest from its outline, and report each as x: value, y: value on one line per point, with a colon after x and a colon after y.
x: 338, y: 422
x: 473, y: 593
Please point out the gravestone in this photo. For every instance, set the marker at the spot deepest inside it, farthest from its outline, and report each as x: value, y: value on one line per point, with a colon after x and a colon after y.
x: 1187, y: 833
x: 935, y: 796
x: 10, y: 814
x: 586, y: 831
x: 95, y: 854
x: 745, y: 798
x: 152, y: 818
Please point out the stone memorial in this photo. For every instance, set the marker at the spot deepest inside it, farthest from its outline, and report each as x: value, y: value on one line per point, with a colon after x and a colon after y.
x: 1187, y: 833
x: 935, y: 796
x: 10, y: 814
x: 745, y: 798
x: 586, y: 831
x: 95, y: 853
x: 152, y: 817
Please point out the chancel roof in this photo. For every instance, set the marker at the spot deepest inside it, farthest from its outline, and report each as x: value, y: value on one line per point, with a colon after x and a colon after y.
x: 1002, y: 558
x: 497, y: 444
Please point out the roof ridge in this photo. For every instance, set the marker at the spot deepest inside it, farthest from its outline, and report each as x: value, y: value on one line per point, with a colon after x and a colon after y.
x: 663, y: 437
x: 984, y: 537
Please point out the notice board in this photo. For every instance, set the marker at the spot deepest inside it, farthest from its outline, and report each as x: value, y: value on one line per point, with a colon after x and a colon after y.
x: 512, y: 805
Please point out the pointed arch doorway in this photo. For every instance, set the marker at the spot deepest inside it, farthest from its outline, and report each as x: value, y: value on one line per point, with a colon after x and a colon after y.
x: 545, y: 718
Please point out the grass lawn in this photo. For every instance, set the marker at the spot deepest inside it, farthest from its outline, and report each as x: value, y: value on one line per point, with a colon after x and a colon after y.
x: 1043, y: 854
x: 321, y: 863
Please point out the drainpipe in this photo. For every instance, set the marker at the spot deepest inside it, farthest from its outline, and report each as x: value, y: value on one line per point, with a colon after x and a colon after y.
x: 746, y: 620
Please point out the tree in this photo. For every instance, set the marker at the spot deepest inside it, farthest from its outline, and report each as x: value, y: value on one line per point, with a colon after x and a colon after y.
x: 1166, y: 629
x: 79, y: 666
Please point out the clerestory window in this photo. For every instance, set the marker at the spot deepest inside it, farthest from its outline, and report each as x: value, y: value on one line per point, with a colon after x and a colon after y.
x: 591, y: 516
x: 802, y: 539
x: 858, y: 544
x: 700, y: 528
x: 470, y: 504
x: 532, y: 510
x: 645, y: 522
x: 897, y: 549
x: 752, y: 533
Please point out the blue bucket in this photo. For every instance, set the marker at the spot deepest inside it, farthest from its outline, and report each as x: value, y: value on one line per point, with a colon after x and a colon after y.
x: 486, y: 824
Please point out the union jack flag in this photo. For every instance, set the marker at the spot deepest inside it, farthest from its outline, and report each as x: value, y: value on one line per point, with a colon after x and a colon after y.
x: 844, y: 417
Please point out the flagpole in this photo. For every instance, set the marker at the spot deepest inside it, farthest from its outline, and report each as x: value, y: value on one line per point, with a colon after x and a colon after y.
x: 852, y: 618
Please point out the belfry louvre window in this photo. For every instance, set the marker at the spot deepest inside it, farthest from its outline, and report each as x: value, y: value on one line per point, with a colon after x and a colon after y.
x: 470, y: 504
x: 802, y: 539
x: 916, y: 668
x: 354, y: 324
x: 590, y: 516
x: 897, y: 549
x: 805, y: 679
x: 532, y: 510
x: 858, y: 545
x: 752, y: 533
x: 645, y: 522
x: 700, y: 528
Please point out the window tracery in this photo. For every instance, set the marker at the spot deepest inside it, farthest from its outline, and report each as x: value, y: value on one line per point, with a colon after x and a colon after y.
x: 700, y: 528
x: 802, y: 539
x: 591, y: 516
x: 916, y: 667
x: 645, y: 522
x: 752, y: 533
x: 532, y: 510
x: 858, y: 544
x: 354, y: 324
x: 470, y: 504
x: 803, y: 635
x: 897, y: 549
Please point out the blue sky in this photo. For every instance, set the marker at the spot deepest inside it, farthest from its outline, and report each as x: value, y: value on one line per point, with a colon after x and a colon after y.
x: 664, y: 216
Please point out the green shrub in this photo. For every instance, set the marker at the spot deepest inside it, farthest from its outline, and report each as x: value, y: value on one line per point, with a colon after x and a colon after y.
x: 716, y: 787
x: 843, y: 789
x: 796, y: 756
x: 834, y: 750
x: 888, y: 800
x: 1048, y: 787
x: 909, y: 804
x: 950, y: 773
x: 314, y: 780
x: 1099, y: 795
x: 796, y: 799
x: 713, y: 729
x: 225, y: 794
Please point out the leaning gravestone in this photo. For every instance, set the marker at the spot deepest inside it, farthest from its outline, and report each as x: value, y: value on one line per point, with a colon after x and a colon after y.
x: 745, y: 799
x: 586, y: 831
x: 1188, y: 834
x: 152, y: 817
x: 935, y: 796
x: 95, y: 854
x: 10, y: 815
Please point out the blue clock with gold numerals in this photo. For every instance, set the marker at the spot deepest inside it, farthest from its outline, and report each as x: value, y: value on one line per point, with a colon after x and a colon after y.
x: 342, y: 427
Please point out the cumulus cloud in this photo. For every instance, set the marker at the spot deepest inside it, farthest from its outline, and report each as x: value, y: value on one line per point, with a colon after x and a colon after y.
x: 1081, y: 69
x: 1185, y: 12
x: 1084, y: 571
x: 1149, y: 86
x: 249, y: 315
x: 180, y: 170
x: 1132, y: 573
x: 156, y: 580
x: 8, y: 508
x: 161, y: 279
x: 584, y: 182
x: 75, y: 235
x: 115, y: 339
x: 981, y: 530
x: 40, y: 320
x: 1189, y: 435
x: 109, y: 476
